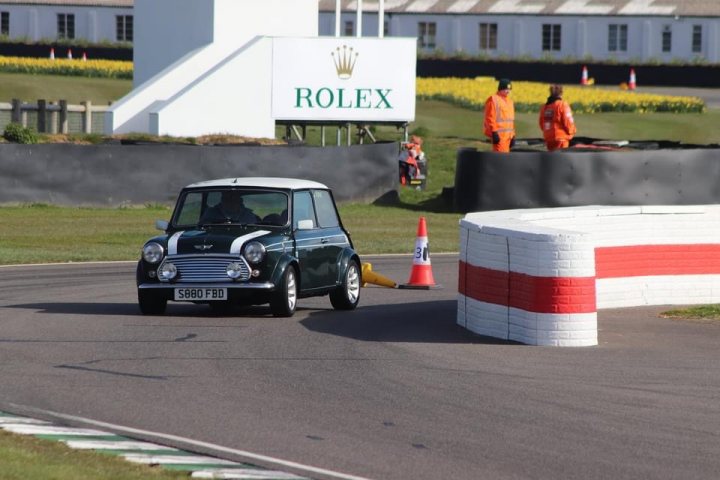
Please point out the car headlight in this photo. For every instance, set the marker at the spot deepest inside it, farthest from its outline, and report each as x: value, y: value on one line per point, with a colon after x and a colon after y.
x: 167, y: 271
x: 255, y: 252
x: 234, y: 270
x: 153, y: 252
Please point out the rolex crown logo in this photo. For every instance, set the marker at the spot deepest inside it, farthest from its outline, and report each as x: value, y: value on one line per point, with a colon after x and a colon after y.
x: 344, y: 59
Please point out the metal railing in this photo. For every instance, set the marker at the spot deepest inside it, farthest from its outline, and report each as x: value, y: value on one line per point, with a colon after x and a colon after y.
x: 54, y: 117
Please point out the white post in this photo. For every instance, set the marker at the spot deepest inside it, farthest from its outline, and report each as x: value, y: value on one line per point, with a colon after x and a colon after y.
x: 359, y: 19
x: 337, y: 18
x: 381, y: 18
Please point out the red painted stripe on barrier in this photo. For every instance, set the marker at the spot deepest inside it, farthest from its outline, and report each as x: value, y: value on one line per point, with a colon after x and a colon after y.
x: 648, y: 260
x: 534, y: 294
x: 552, y: 294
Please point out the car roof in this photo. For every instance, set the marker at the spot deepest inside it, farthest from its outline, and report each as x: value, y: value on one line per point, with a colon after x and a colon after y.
x: 269, y: 182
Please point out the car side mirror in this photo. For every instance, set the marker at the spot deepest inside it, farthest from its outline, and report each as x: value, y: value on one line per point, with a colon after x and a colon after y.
x: 305, y: 224
x: 161, y: 225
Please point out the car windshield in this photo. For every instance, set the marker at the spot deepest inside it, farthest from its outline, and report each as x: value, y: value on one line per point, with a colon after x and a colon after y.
x: 224, y: 206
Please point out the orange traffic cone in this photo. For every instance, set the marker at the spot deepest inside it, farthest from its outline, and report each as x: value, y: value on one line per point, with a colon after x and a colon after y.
x: 69, y: 54
x: 52, y: 54
x: 632, y: 83
x: 584, y: 78
x: 421, y: 276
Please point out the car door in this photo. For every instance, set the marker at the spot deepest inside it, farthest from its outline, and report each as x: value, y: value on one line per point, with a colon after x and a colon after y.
x: 332, y: 237
x: 308, y: 241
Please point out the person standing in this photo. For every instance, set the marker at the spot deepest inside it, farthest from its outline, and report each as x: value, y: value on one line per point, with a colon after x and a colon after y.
x: 500, y: 118
x: 556, y: 120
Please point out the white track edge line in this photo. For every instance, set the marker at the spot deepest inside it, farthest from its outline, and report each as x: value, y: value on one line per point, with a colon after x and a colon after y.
x: 219, y: 448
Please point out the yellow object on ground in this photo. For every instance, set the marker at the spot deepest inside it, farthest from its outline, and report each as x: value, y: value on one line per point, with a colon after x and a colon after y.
x: 368, y: 276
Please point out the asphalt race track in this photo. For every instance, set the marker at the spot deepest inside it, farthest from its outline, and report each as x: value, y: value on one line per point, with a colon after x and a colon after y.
x: 394, y: 390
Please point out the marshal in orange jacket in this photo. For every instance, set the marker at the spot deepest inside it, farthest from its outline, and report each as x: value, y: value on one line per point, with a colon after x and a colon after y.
x: 556, y: 121
x: 500, y: 120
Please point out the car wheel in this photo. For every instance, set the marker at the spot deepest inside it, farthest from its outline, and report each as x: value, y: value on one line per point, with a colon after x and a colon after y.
x: 284, y: 300
x: 151, y: 304
x: 347, y: 295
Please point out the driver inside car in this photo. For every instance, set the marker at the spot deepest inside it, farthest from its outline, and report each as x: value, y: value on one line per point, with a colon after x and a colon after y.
x: 231, y: 209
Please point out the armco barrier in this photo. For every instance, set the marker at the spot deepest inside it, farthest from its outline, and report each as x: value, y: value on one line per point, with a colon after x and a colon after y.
x: 538, y: 276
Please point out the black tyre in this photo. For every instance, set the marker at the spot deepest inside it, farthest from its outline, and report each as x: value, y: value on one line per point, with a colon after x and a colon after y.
x: 347, y: 295
x: 150, y: 303
x: 284, y: 301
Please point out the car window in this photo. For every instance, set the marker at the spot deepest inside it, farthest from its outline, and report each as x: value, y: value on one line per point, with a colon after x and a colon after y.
x: 232, y: 206
x: 325, y: 209
x: 303, y: 208
x: 189, y: 210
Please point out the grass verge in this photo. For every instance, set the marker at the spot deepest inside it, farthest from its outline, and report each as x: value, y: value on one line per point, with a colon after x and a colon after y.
x: 701, y: 313
x: 28, y: 458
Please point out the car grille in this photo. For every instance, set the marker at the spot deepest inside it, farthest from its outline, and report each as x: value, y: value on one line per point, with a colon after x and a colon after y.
x: 206, y: 268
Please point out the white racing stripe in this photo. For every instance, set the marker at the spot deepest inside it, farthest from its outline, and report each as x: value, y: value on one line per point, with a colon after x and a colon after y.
x: 173, y: 242
x: 217, y: 448
x: 240, y: 241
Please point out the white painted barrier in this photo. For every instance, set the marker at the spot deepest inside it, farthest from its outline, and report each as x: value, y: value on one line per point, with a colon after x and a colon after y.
x: 538, y: 276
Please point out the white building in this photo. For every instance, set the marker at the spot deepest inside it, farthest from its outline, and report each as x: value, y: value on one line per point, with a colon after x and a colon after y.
x: 623, y: 30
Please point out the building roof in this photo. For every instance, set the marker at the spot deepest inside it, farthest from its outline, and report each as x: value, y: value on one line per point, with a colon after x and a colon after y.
x: 690, y: 8
x: 693, y: 8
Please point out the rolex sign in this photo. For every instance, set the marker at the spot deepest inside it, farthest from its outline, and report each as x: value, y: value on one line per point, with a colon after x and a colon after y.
x: 344, y: 79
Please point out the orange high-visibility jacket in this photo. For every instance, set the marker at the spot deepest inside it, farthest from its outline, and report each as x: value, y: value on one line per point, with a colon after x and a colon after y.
x: 499, y: 116
x: 556, y: 120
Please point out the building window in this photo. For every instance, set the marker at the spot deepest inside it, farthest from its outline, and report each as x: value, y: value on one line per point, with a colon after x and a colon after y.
x: 349, y: 28
x: 697, y: 39
x: 617, y: 38
x: 386, y: 28
x: 66, y: 25
x: 551, y: 37
x: 666, y: 38
x: 5, y: 23
x: 124, y: 28
x: 488, y: 36
x: 426, y: 34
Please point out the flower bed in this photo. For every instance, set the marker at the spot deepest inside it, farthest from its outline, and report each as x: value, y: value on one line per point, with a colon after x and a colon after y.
x: 530, y: 96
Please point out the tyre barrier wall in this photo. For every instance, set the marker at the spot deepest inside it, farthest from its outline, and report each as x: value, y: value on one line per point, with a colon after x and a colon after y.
x: 539, y: 276
x: 497, y: 181
x: 114, y: 175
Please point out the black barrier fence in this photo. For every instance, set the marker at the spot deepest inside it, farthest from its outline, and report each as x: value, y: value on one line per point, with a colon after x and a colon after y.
x: 571, y: 73
x: 37, y: 50
x: 496, y: 181
x: 112, y: 175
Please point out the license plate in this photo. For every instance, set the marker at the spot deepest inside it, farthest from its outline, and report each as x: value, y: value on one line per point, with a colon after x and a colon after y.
x: 194, y: 294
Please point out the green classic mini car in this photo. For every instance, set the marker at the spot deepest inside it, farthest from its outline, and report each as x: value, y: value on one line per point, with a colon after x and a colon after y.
x: 250, y: 241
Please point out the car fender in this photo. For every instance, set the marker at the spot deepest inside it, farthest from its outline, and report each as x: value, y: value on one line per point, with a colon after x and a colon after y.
x: 283, y: 262
x: 344, y: 259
